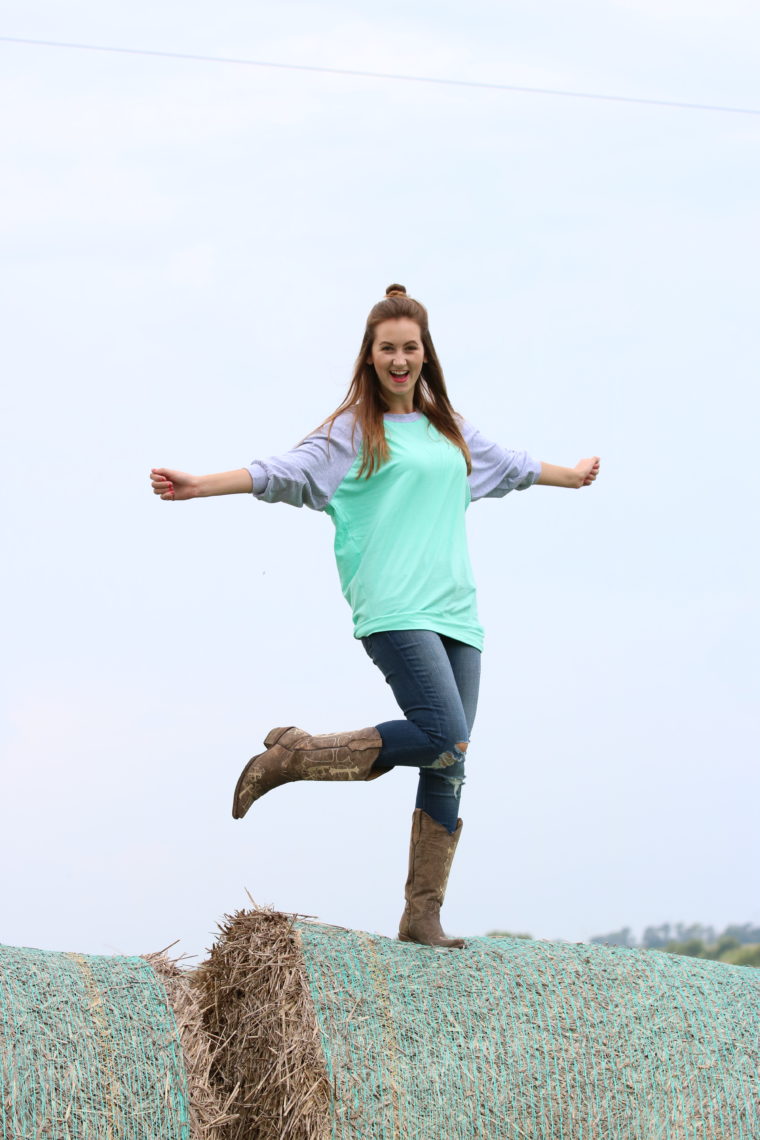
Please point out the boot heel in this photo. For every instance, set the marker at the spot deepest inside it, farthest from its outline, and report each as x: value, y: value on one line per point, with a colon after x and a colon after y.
x: 274, y: 735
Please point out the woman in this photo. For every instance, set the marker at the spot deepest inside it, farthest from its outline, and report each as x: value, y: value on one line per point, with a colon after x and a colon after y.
x: 395, y: 468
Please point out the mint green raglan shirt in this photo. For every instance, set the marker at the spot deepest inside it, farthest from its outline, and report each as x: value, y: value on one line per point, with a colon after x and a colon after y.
x: 400, y: 538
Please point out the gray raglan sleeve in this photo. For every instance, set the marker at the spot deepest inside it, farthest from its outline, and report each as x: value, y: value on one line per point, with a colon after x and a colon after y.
x: 495, y: 469
x: 309, y: 474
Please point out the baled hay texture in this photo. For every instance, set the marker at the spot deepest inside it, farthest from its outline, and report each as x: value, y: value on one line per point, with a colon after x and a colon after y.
x: 89, y: 1050
x: 208, y: 1114
x: 258, y: 1008
x: 513, y: 1039
x: 331, y: 1032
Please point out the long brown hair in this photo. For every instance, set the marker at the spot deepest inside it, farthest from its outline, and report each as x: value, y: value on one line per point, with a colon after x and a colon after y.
x: 364, y: 396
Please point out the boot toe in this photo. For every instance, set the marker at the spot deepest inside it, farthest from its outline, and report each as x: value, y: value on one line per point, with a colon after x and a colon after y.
x: 263, y: 773
x: 427, y: 932
x: 244, y: 791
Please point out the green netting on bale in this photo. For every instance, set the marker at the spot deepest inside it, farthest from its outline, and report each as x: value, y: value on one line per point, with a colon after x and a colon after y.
x: 513, y: 1039
x: 89, y: 1050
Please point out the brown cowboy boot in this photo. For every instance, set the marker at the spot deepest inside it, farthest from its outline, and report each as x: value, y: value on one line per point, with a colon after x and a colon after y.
x: 431, y: 853
x: 294, y: 755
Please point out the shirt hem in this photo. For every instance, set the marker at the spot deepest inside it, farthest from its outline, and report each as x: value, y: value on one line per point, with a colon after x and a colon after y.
x: 467, y: 634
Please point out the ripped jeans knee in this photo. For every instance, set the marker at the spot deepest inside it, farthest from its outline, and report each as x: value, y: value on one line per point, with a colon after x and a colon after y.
x: 453, y: 758
x: 440, y: 787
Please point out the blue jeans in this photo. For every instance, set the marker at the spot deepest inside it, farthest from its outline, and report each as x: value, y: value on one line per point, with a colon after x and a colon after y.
x: 435, y: 681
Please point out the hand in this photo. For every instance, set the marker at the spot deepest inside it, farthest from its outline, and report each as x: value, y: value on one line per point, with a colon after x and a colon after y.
x: 174, y: 485
x: 588, y: 469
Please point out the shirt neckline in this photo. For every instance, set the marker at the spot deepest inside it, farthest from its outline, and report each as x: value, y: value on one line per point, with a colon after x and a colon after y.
x: 402, y: 417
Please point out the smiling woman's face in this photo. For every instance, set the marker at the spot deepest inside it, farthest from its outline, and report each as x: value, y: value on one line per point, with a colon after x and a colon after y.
x: 398, y: 356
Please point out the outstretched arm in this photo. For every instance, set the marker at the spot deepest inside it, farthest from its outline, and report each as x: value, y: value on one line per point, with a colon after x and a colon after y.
x: 177, y: 485
x: 582, y: 475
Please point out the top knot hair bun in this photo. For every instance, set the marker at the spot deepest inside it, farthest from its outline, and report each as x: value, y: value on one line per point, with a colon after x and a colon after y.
x: 395, y: 291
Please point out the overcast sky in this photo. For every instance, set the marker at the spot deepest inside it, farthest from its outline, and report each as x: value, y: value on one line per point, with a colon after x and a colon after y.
x: 189, y: 252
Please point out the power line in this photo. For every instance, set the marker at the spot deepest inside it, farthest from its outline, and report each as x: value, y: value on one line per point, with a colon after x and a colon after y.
x: 386, y: 76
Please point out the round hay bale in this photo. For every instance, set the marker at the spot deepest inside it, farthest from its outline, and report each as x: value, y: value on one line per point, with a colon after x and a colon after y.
x: 331, y: 1033
x: 91, y: 1048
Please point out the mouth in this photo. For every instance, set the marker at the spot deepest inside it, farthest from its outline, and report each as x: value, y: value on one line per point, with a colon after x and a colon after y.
x: 399, y: 377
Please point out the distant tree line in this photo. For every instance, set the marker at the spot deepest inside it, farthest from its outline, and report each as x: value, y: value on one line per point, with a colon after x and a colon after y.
x: 739, y: 945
